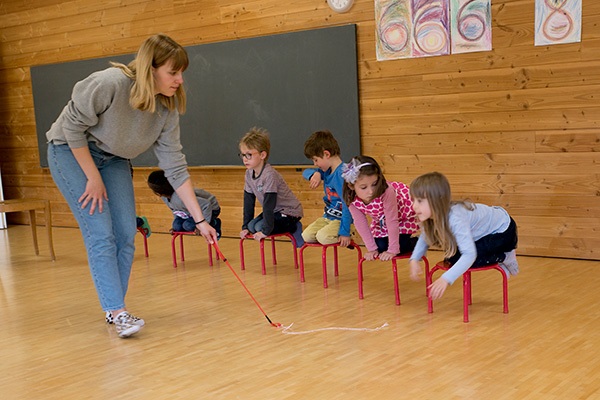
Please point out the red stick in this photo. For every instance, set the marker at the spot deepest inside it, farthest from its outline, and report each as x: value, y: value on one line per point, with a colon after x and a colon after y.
x: 275, y: 324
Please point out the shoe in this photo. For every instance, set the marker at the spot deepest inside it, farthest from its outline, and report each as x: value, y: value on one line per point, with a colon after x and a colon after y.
x: 136, y: 320
x: 144, y: 226
x: 216, y: 223
x: 510, y: 262
x: 125, y: 325
x: 297, y: 234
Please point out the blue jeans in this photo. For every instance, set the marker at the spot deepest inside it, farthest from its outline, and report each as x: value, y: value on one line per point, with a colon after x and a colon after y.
x: 109, y: 237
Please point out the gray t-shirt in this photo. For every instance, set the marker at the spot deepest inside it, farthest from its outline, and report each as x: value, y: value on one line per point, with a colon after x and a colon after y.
x: 271, y: 181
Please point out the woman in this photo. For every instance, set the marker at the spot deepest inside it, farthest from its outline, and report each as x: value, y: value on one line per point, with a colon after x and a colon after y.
x: 113, y: 116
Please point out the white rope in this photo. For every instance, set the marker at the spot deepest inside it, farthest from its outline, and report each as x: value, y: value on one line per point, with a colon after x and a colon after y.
x: 286, y: 329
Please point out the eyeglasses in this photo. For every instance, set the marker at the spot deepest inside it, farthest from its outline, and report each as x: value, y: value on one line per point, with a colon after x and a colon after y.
x: 247, y: 156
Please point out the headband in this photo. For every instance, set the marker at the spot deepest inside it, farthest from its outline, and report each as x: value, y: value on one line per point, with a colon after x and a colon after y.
x: 352, y: 170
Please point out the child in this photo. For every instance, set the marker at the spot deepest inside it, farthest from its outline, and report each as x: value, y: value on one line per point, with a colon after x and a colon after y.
x: 281, y: 209
x: 183, y: 221
x: 469, y: 234
x: 387, y: 203
x: 334, y: 226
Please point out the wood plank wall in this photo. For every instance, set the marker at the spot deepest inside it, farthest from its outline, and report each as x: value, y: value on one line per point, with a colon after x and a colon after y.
x: 517, y: 126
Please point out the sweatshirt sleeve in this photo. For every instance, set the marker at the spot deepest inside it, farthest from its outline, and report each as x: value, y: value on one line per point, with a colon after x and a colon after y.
x: 461, y: 230
x: 249, y: 202
x: 269, y: 203
x: 338, y: 184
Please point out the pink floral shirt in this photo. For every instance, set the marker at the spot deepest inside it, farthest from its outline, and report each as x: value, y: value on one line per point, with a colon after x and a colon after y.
x: 391, y: 215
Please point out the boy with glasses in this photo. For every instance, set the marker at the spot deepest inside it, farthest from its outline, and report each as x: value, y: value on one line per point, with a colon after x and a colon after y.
x: 281, y: 209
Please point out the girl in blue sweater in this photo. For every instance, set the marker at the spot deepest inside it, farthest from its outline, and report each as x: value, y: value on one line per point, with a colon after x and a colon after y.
x: 469, y: 234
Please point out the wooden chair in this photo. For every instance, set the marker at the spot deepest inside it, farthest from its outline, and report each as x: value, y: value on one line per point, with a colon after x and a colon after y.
x: 273, y: 253
x: 467, y: 296
x: 324, y: 248
x: 19, y: 205
x: 394, y: 273
x: 180, y: 235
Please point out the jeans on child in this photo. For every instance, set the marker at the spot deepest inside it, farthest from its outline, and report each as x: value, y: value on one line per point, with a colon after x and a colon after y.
x: 109, y: 236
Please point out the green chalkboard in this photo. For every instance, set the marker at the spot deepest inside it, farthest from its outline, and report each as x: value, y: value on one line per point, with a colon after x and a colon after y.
x: 292, y: 84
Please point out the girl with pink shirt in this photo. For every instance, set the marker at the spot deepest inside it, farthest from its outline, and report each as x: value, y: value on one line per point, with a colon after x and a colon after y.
x: 388, y: 204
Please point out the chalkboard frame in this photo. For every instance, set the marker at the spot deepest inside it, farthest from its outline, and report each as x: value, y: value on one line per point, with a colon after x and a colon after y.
x: 291, y: 84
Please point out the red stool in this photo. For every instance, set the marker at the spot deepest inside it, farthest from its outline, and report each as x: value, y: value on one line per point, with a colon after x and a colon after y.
x: 262, y: 250
x: 324, y: 248
x: 394, y: 272
x: 467, y: 297
x: 180, y: 235
x: 141, y: 230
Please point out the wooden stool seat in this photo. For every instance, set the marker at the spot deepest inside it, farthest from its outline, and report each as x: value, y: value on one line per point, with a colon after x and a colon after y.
x: 394, y: 273
x: 467, y: 297
x: 180, y: 235
x: 324, y: 248
x: 19, y: 205
x: 262, y: 250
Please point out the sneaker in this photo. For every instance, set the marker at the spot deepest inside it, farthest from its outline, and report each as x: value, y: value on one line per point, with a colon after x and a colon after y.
x: 216, y: 223
x: 110, y: 320
x: 143, y: 224
x: 510, y: 262
x: 297, y: 234
x: 125, y: 325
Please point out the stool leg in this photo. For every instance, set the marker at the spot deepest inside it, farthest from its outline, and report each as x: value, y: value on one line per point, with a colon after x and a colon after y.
x: 302, y: 263
x: 294, y: 248
x: 174, y: 251
x: 504, y: 291
x: 428, y: 279
x: 466, y: 295
x: 242, y: 264
x: 336, y: 271
x: 33, y: 224
x: 181, y: 247
x: 324, y: 265
x: 396, y: 286
x: 360, y: 279
x: 273, y: 252
x: 262, y: 255
x: 210, y: 257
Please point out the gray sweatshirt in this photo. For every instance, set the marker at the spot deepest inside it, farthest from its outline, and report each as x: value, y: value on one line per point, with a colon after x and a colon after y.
x: 99, y: 111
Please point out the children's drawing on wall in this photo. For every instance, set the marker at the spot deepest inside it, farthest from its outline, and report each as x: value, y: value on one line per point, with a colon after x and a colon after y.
x: 423, y: 28
x: 471, y: 26
x: 557, y: 21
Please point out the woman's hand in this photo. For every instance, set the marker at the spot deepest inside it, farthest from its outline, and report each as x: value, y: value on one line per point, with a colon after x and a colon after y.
x: 437, y: 288
x: 209, y: 233
x: 95, y: 192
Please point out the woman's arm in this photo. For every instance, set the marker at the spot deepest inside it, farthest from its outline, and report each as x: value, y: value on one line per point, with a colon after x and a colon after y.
x: 188, y: 196
x: 95, y: 191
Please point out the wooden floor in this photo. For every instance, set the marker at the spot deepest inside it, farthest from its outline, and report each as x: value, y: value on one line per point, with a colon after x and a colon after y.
x: 206, y: 339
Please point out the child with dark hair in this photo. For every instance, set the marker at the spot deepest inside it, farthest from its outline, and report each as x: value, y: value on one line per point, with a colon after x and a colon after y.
x: 183, y: 221
x: 334, y: 225
x: 388, y: 204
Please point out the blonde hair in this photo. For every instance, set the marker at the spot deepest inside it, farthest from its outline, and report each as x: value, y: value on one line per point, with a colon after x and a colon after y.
x: 257, y: 139
x: 155, y: 52
x: 435, y: 188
